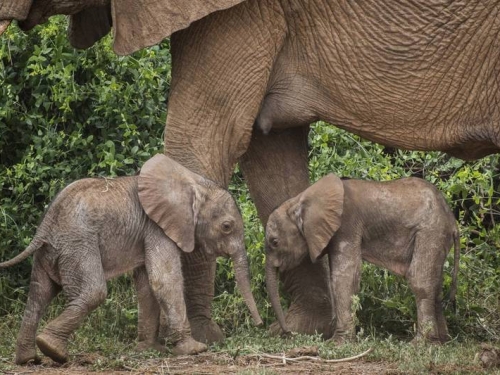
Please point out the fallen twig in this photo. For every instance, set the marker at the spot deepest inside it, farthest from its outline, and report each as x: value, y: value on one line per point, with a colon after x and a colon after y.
x: 284, y: 359
x: 369, y: 350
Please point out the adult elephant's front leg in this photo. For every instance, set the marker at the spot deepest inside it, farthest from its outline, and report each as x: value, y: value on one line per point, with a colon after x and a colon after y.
x: 199, y: 282
x: 275, y: 167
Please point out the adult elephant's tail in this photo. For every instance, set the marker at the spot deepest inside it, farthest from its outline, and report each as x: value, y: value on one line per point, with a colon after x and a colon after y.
x: 32, y: 247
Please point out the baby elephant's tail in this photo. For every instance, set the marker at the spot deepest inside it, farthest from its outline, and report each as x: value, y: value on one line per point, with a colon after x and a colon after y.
x: 32, y: 247
x: 453, y: 289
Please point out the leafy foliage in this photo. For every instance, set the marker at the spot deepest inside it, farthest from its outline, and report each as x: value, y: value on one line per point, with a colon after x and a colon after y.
x: 67, y: 114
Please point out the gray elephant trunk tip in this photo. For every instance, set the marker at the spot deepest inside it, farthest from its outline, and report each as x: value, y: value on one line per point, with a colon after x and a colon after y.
x: 257, y: 320
x: 272, y: 290
x: 242, y: 275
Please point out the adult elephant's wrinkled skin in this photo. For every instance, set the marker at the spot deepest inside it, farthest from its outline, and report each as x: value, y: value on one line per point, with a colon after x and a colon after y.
x: 248, y: 77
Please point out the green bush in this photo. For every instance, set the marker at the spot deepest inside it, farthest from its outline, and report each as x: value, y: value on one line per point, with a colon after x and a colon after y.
x: 67, y: 114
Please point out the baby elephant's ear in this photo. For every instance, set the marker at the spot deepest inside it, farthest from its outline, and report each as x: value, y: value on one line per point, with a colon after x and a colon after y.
x: 169, y: 195
x: 321, y: 208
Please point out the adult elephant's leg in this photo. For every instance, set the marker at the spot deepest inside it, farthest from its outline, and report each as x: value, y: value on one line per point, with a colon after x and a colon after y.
x: 199, y: 269
x: 221, y: 66
x: 275, y: 167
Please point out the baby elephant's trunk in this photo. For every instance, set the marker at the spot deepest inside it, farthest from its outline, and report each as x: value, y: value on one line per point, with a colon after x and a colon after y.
x: 242, y: 274
x: 274, y: 296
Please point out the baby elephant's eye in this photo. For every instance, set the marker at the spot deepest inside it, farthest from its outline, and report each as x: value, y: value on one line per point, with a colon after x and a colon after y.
x: 274, y: 242
x: 227, y: 227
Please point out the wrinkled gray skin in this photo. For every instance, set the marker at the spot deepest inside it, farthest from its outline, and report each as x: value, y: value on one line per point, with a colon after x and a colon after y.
x: 404, y: 226
x: 415, y: 75
x: 97, y: 229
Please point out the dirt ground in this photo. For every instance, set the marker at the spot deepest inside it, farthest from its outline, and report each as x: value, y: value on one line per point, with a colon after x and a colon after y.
x: 212, y: 363
x: 300, y: 360
x: 220, y: 363
x: 223, y: 363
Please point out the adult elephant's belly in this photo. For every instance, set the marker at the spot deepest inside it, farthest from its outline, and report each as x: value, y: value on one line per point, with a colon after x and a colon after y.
x: 458, y: 121
x: 422, y: 83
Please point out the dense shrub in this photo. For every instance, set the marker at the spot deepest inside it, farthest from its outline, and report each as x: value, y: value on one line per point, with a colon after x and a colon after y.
x: 67, y: 114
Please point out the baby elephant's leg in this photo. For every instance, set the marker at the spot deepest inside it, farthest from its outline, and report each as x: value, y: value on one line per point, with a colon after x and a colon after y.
x: 444, y: 336
x: 163, y: 265
x: 345, y: 273
x: 42, y: 291
x: 149, y: 313
x: 84, y: 285
x: 425, y: 277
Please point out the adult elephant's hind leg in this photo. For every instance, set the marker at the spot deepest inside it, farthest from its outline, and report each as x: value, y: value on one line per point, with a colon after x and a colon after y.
x: 275, y: 167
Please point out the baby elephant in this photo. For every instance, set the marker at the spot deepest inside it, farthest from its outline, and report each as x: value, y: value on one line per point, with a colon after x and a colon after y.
x: 403, y: 225
x: 96, y: 229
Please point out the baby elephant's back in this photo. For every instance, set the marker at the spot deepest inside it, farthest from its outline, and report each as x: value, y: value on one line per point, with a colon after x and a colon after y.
x: 423, y: 202
x: 109, y: 207
x: 409, y: 202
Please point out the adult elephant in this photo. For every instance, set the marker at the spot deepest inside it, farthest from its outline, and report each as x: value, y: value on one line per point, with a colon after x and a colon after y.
x: 248, y: 77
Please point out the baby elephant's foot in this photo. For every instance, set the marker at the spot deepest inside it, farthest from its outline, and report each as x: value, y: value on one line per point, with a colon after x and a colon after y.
x: 188, y: 346
x: 155, y: 345
x: 53, y: 347
x: 24, y: 355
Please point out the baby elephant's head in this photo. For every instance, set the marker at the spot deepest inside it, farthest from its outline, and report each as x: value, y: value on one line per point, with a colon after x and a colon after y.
x: 302, y: 225
x: 195, y: 212
x: 219, y: 226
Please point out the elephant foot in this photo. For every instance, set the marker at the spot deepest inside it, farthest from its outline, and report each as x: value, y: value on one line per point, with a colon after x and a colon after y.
x: 146, y: 345
x: 306, y: 321
x: 188, y: 346
x: 24, y: 355
x: 206, y: 331
x: 53, y: 347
